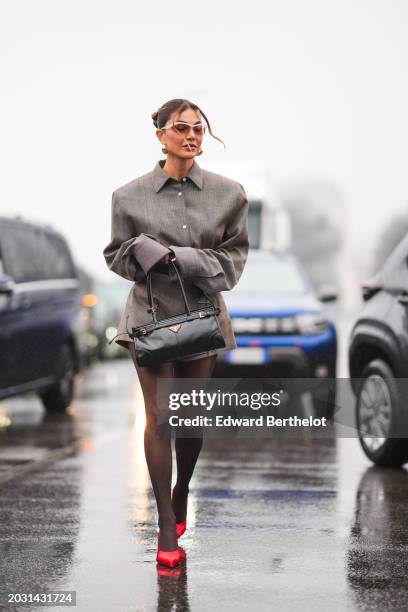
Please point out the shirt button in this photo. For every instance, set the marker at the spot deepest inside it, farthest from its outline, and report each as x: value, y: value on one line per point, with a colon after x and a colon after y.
x: 184, y: 179
x: 184, y: 226
x: 179, y: 193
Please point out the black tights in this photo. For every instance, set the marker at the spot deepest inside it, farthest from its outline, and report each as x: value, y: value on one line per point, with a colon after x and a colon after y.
x: 158, y: 450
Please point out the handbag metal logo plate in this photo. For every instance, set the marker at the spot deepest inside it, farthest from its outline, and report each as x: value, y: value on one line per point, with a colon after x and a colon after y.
x: 175, y: 328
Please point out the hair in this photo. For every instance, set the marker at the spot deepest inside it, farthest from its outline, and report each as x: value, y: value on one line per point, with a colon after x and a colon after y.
x: 163, y: 113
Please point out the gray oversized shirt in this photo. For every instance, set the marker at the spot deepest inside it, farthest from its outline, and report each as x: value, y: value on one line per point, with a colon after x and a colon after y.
x: 202, y: 219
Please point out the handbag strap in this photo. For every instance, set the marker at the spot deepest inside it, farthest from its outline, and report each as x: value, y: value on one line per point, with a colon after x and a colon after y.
x: 150, y: 291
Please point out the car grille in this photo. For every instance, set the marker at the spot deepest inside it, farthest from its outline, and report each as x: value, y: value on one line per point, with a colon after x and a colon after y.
x: 276, y: 326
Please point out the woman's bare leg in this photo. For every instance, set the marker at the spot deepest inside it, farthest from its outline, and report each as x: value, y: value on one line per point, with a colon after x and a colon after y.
x: 188, y: 449
x: 158, y: 451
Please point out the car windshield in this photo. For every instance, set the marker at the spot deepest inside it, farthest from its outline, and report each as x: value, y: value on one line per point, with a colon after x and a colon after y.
x: 274, y: 276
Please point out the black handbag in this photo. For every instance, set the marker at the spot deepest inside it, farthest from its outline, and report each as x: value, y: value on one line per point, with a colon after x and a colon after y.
x: 182, y: 335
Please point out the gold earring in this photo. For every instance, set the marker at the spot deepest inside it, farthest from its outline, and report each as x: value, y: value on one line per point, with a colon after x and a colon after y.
x: 200, y: 151
x: 164, y: 150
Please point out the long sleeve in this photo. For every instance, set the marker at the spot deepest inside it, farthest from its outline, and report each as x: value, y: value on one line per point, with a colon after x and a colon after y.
x: 128, y: 255
x: 219, y: 269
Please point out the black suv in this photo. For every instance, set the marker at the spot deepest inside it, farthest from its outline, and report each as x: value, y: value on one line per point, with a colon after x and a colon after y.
x: 39, y: 313
x: 378, y: 362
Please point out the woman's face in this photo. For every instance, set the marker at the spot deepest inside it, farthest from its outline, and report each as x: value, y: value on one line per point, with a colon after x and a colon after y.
x: 183, y: 142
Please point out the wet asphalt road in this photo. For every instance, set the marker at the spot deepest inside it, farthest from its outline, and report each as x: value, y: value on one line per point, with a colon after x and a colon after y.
x: 283, y: 524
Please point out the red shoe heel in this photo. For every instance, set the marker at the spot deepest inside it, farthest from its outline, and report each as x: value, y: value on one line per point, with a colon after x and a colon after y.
x: 180, y: 527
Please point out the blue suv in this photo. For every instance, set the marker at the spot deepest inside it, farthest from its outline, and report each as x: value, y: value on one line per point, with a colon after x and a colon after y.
x: 279, y: 322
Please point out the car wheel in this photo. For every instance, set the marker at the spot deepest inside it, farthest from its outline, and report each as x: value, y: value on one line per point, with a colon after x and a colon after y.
x: 380, y: 416
x: 59, y: 396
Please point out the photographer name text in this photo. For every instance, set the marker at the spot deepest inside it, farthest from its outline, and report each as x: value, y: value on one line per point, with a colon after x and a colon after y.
x: 260, y: 421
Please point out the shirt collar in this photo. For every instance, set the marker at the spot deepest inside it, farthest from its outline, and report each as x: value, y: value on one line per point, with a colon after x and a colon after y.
x: 160, y: 178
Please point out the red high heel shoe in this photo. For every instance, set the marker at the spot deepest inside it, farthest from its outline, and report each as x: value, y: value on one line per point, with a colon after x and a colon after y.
x: 170, y: 558
x: 180, y: 527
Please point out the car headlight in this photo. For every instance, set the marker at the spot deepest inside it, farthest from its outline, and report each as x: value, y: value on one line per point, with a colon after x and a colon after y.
x: 247, y: 324
x: 91, y: 340
x: 311, y: 323
x: 110, y: 332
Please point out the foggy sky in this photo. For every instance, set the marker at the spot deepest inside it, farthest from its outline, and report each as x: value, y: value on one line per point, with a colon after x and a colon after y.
x: 311, y: 88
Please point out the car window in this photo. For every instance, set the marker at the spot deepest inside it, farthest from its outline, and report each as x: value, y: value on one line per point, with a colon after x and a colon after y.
x: 33, y: 254
x: 272, y: 276
x: 19, y: 255
x: 59, y: 261
x: 394, y: 273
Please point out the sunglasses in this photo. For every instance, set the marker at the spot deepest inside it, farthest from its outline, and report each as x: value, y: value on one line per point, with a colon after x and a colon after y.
x: 183, y: 128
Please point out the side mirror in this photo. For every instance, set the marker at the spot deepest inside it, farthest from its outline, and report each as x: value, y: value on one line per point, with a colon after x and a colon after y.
x: 6, y: 285
x: 328, y: 293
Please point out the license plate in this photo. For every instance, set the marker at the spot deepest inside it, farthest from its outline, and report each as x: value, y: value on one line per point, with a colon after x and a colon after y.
x: 247, y: 355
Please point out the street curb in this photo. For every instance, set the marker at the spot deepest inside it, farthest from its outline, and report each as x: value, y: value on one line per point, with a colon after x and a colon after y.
x: 32, y: 466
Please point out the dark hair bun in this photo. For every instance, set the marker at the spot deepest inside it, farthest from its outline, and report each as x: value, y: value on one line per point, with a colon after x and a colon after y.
x: 155, y: 116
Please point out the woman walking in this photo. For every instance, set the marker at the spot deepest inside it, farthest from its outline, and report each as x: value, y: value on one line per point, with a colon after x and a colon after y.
x: 199, y: 220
